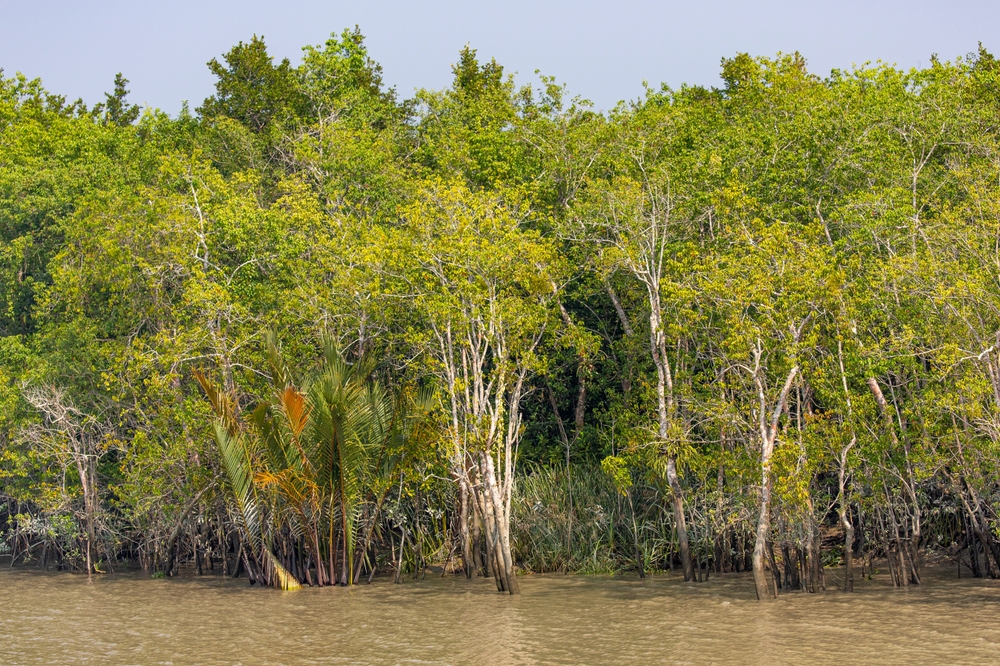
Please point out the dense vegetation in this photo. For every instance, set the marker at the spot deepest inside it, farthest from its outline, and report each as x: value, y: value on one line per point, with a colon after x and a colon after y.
x: 310, y: 331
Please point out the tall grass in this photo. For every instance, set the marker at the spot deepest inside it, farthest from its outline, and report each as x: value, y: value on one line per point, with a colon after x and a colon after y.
x: 579, y: 522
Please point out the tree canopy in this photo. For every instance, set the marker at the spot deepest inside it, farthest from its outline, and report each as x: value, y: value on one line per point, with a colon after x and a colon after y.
x: 311, y: 329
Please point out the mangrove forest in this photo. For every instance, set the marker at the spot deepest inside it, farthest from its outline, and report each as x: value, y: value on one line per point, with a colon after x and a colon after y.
x: 307, y: 332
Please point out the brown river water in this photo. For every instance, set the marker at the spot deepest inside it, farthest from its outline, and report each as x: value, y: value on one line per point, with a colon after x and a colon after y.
x: 128, y: 618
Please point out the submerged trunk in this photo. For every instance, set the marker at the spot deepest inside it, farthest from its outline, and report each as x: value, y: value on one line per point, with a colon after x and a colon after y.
x: 87, y: 473
x: 501, y: 527
x: 478, y: 558
x: 485, y: 422
x: 768, y: 436
x: 491, y: 538
x: 844, y: 513
x: 763, y: 527
x: 845, y: 521
x: 665, y: 409
x: 677, y: 498
x: 468, y: 563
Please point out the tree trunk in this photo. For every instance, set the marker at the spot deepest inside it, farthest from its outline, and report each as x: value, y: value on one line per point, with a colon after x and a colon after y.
x: 468, y: 562
x: 504, y: 557
x: 484, y: 505
x: 345, y: 557
x: 768, y: 436
x: 844, y: 513
x: 87, y: 478
x: 677, y: 497
x: 763, y: 527
x: 665, y: 408
x: 848, y: 551
x: 481, y: 562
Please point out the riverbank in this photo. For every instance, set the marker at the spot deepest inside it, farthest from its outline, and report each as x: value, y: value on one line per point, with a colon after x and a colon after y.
x: 129, y: 618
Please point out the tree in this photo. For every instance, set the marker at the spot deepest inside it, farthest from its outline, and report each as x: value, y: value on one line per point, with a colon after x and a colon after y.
x: 74, y: 440
x: 324, y: 448
x: 635, y: 224
x: 115, y: 109
x: 483, y: 286
x: 251, y: 89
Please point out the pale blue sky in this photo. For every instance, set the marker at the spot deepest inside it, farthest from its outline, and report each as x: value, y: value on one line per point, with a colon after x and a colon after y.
x: 602, y: 50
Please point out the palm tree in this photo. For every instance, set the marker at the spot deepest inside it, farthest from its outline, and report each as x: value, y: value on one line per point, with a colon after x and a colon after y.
x: 325, y: 450
x: 238, y: 455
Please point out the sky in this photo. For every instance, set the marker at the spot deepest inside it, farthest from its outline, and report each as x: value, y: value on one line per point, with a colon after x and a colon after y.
x: 603, y: 51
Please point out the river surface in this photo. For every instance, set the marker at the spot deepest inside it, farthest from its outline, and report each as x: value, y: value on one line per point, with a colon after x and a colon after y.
x: 128, y: 618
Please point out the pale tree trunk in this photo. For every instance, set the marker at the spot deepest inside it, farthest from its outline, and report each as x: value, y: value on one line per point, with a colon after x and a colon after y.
x: 72, y: 437
x: 468, y: 565
x: 487, y: 514
x: 665, y: 410
x: 478, y: 559
x: 490, y: 500
x: 619, y: 310
x: 843, y: 511
x: 459, y: 463
x: 763, y: 527
x: 912, y: 542
x: 505, y: 489
x: 677, y: 498
x: 87, y: 484
x: 504, y: 558
x: 768, y: 436
x: 843, y: 507
x: 645, y: 250
x: 485, y: 420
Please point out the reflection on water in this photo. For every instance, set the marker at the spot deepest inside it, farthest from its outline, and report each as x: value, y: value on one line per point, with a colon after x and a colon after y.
x: 54, y: 618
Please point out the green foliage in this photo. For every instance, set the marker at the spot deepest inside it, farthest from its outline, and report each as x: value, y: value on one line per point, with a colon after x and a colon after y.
x: 251, y: 89
x: 601, y: 296
x: 317, y: 451
x: 115, y: 109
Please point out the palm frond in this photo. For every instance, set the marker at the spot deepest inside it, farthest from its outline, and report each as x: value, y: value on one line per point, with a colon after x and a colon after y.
x: 285, y: 580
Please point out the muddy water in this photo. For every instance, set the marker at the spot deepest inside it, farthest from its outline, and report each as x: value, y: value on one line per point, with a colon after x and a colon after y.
x: 52, y: 618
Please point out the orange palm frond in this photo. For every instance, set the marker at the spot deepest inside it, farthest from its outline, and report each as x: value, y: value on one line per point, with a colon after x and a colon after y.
x: 296, y: 409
